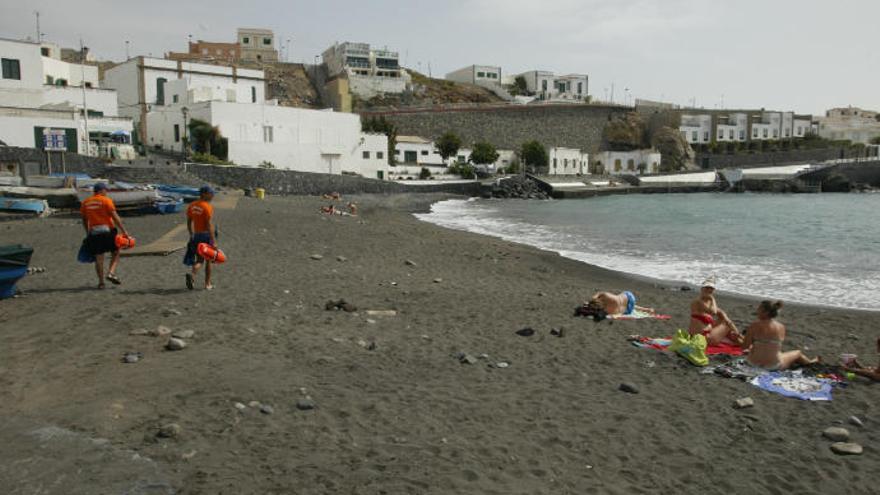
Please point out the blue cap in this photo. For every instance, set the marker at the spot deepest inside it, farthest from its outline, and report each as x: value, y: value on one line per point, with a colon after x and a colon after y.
x: 206, y: 190
x: 100, y: 186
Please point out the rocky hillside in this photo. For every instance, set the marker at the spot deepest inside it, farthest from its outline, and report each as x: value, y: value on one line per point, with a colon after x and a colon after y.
x: 429, y: 91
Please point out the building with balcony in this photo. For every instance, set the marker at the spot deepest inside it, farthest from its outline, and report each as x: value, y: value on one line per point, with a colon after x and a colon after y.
x: 704, y: 127
x: 370, y: 72
x: 257, y: 45
x: 39, y: 93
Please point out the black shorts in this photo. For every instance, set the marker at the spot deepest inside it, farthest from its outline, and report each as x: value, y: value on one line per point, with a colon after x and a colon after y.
x: 104, y: 242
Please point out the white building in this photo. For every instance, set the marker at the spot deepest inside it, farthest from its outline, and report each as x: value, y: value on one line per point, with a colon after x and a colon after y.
x: 141, y: 85
x: 370, y: 71
x: 567, y: 161
x: 854, y: 124
x: 38, y: 91
x: 696, y: 129
x: 548, y: 86
x: 635, y: 162
x: 417, y: 151
x: 740, y: 127
x: 299, y: 139
x: 480, y: 75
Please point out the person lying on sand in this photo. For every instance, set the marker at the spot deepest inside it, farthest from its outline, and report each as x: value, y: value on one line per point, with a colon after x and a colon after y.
x: 763, y: 341
x: 868, y: 372
x: 353, y: 208
x: 334, y: 196
x: 329, y: 209
x: 710, y: 320
x: 616, y: 304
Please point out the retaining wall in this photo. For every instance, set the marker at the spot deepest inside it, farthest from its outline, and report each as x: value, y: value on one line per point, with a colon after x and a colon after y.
x: 768, y: 159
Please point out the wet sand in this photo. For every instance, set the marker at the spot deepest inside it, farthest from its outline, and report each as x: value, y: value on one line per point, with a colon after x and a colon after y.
x: 396, y: 411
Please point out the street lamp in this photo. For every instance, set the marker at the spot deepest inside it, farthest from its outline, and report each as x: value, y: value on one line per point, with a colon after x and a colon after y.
x: 184, y: 143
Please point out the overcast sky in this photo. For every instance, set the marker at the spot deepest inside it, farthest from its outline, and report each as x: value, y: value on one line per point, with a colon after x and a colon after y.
x: 801, y: 55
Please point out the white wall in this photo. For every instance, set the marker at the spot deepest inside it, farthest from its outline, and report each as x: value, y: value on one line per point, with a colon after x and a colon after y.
x: 100, y: 100
x: 567, y: 161
x: 74, y: 74
x: 30, y: 62
x: 376, y: 146
x: 17, y: 126
x: 629, y: 161
x: 426, y: 154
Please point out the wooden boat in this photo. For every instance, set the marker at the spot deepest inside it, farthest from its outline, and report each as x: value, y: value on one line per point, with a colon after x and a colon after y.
x: 14, y: 260
x: 39, y: 207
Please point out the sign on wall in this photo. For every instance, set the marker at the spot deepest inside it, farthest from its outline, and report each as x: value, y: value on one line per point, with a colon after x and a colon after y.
x: 54, y: 140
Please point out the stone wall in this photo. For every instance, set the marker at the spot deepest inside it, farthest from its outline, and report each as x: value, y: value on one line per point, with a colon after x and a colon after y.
x: 508, y: 126
x: 33, y: 161
x: 766, y: 159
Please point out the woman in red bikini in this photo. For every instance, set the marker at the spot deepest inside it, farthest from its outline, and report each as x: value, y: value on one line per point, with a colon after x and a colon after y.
x: 710, y: 320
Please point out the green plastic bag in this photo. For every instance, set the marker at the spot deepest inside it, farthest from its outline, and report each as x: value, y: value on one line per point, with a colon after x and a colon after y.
x: 690, y: 347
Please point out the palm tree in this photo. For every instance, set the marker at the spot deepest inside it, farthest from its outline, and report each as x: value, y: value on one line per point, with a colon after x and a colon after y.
x: 204, y: 135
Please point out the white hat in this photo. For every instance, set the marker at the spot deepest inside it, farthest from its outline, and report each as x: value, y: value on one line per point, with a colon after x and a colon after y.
x: 709, y: 282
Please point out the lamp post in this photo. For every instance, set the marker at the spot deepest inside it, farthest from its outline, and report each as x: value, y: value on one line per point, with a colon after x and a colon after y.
x: 184, y: 142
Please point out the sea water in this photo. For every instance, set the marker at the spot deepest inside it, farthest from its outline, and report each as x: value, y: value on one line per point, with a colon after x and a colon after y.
x: 821, y: 249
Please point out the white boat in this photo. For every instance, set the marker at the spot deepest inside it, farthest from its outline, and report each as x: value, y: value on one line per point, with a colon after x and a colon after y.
x: 124, y: 197
x: 57, y: 198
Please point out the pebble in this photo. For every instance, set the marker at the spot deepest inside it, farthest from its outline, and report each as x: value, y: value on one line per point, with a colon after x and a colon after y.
x: 628, y: 388
x: 371, y: 322
x: 426, y: 337
x: 183, y: 334
x: 316, y: 257
x: 525, y: 332
x: 372, y: 346
x: 287, y: 291
x: 254, y: 403
x: 410, y: 263
x: 836, y: 434
x: 267, y: 409
x: 240, y: 406
x: 846, y: 448
x: 744, y: 403
x: 341, y: 259
x: 557, y: 332
x: 161, y: 331
x: 483, y: 356
x: 171, y: 430
x: 438, y: 280
x: 468, y: 359
x: 854, y: 420
x: 349, y: 307
x: 175, y: 344
x: 305, y: 404
x: 852, y: 336
x: 171, y: 312
x: 541, y: 294
x: 132, y: 357
x: 502, y: 364
x: 277, y: 304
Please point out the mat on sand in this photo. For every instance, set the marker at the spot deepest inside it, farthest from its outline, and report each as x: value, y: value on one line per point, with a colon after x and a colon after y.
x: 663, y: 343
x: 638, y: 314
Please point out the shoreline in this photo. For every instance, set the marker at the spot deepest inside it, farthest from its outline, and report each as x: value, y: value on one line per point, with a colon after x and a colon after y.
x: 395, y: 410
x: 659, y: 282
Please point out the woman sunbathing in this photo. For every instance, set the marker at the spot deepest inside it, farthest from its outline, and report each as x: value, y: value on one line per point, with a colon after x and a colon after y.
x: 764, y: 338
x: 617, y: 304
x: 866, y: 371
x: 708, y: 319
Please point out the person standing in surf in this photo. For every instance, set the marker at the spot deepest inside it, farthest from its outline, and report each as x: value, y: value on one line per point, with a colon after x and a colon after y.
x: 710, y: 320
x: 200, y: 223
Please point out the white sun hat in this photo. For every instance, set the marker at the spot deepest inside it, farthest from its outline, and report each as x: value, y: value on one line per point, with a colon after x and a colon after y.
x: 709, y: 282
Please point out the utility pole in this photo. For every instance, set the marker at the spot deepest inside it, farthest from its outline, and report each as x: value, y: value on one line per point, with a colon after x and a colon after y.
x: 39, y: 33
x: 127, y: 57
x: 82, y: 66
x: 612, y: 92
x: 184, y: 142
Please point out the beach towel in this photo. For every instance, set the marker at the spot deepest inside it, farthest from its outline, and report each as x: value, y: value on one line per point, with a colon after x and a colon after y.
x: 638, y: 314
x: 794, y: 384
x: 662, y: 344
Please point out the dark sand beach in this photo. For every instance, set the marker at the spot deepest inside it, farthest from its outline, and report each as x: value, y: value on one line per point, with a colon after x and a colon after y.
x: 396, y: 412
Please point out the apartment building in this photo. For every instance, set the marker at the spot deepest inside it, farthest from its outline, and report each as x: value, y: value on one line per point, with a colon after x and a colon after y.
x: 370, y: 71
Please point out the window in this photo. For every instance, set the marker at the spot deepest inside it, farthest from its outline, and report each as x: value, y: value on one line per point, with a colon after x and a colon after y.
x: 11, y: 68
x: 554, y: 163
x: 245, y: 40
x: 786, y: 133
x: 565, y: 163
x: 617, y: 165
x: 88, y: 84
x: 765, y: 133
x: 61, y: 82
x: 775, y: 133
x: 720, y: 133
x: 742, y: 135
x: 706, y: 136
x: 380, y: 155
x: 544, y: 85
x: 800, y: 130
x: 396, y: 152
x: 731, y: 134
x: 175, y: 98
x: 268, y: 135
x: 580, y: 88
x: 424, y: 152
x: 461, y: 158
x: 44, y: 51
x: 755, y: 132
x: 410, y: 157
x: 694, y: 136
x: 630, y: 164
x: 176, y: 133
x: 253, y: 94
x: 366, y: 155
x: 267, y: 41
x: 481, y: 74
x: 160, y: 90
x: 50, y: 80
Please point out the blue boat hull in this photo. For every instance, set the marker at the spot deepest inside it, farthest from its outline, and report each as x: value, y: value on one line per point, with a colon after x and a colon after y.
x: 14, y: 260
x: 8, y: 279
x: 19, y: 205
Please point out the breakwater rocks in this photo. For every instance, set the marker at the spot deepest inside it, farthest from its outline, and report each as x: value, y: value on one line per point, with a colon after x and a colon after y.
x: 518, y: 187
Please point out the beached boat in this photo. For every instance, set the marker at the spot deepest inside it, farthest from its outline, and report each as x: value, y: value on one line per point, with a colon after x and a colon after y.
x: 167, y: 206
x: 10, y: 180
x: 57, y: 198
x: 187, y: 193
x: 39, y: 207
x: 14, y: 260
x: 124, y: 198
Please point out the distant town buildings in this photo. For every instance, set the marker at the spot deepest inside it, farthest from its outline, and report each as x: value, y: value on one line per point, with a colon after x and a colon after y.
x: 370, y: 71
x: 41, y: 95
x: 635, y: 162
x: 480, y: 75
x: 706, y: 127
x: 567, y: 161
x: 251, y: 45
x: 854, y: 124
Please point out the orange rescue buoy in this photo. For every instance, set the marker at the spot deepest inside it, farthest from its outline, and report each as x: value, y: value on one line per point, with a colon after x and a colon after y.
x: 124, y: 242
x: 210, y: 253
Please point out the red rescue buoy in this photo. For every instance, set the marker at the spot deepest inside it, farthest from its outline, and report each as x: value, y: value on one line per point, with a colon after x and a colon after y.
x: 124, y: 242
x: 210, y: 253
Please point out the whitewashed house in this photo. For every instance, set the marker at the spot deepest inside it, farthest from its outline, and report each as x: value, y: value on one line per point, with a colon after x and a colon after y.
x: 417, y: 151
x: 262, y: 132
x: 635, y: 162
x: 696, y: 129
x: 546, y: 85
x: 741, y: 127
x: 480, y: 75
x: 39, y: 93
x: 567, y: 161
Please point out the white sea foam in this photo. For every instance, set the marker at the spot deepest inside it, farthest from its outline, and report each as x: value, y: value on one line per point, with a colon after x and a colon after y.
x: 755, y: 276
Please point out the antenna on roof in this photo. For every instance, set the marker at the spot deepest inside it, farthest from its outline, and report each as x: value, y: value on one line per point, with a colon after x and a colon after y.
x: 39, y: 34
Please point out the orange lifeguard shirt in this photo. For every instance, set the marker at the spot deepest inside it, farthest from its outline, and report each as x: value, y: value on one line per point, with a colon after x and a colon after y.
x: 200, y: 212
x: 97, y: 211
